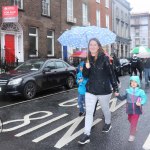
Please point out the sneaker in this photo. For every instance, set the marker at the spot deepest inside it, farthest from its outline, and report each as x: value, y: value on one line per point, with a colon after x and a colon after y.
x: 131, y: 138
x: 84, y: 139
x: 81, y: 114
x: 106, y: 128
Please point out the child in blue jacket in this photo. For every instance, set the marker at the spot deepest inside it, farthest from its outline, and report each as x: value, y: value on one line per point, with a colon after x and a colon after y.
x: 81, y: 81
x: 135, y: 98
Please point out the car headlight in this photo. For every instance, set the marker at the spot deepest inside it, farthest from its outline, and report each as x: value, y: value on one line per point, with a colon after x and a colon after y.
x: 15, y: 81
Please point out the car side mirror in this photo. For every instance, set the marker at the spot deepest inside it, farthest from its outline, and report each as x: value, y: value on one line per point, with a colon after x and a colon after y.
x: 46, y: 69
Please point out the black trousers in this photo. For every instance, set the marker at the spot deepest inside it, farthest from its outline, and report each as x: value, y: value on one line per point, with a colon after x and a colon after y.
x: 133, y: 70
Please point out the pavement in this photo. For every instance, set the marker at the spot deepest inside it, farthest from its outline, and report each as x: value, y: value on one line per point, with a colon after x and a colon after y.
x: 51, y: 122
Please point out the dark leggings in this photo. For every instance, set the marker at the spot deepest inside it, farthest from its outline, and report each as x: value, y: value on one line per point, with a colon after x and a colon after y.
x: 117, y: 76
x: 133, y: 69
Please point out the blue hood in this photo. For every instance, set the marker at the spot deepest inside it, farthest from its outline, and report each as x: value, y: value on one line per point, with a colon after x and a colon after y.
x: 136, y: 79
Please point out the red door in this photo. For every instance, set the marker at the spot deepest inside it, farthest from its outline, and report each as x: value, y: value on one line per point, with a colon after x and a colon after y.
x: 9, y: 48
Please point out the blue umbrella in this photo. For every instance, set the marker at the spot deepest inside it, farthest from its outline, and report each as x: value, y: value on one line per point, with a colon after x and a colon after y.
x: 78, y: 37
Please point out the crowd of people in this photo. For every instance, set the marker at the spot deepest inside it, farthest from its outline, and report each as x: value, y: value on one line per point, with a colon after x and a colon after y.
x: 98, y: 78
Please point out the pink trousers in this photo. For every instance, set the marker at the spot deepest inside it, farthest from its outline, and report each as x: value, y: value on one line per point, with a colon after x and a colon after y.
x: 133, y: 119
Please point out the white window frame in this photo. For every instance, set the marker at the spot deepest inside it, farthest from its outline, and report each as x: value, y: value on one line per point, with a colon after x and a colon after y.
x: 97, y: 1
x: 107, y: 21
x: 36, y: 36
x: 85, y: 14
x: 46, y: 7
x: 69, y: 8
x: 16, y: 2
x: 51, y: 37
x: 107, y: 3
x: 98, y: 18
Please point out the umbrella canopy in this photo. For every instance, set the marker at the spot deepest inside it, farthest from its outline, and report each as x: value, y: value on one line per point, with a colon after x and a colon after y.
x: 141, y: 52
x: 79, y: 37
x: 81, y: 54
x: 139, y: 49
x: 144, y: 54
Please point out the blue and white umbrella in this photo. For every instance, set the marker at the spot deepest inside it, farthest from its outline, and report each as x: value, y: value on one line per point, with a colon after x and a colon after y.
x: 78, y: 37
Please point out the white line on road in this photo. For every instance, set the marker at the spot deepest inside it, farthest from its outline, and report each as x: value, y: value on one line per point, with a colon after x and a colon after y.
x: 36, y: 98
x: 40, y: 125
x: 146, y: 145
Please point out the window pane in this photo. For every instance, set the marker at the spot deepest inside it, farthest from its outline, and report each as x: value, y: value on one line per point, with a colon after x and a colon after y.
x: 49, y: 46
x: 32, y: 30
x: 59, y: 64
x: 50, y: 65
x: 19, y: 3
x: 49, y: 33
x: 32, y: 45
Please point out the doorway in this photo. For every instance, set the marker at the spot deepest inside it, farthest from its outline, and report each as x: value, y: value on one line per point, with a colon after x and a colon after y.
x: 9, y: 48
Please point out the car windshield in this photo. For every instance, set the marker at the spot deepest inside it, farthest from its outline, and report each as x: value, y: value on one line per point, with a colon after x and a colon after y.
x: 33, y: 65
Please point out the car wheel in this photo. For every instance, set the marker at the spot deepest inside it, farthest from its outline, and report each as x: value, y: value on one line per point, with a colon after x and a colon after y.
x: 29, y: 90
x: 70, y: 82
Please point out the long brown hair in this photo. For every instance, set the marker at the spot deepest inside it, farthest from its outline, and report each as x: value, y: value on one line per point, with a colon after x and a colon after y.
x: 100, y: 50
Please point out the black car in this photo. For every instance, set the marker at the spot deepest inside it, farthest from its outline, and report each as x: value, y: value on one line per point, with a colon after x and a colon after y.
x: 124, y: 66
x: 36, y: 75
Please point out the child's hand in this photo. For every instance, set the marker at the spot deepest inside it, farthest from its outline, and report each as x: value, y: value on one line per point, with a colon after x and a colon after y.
x: 80, y: 80
x: 116, y: 94
x: 138, y: 103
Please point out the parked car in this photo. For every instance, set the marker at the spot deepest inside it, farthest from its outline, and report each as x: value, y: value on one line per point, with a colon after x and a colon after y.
x: 36, y: 75
x: 125, y: 66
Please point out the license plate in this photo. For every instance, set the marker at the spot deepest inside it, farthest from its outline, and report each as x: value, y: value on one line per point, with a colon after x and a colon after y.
x: 0, y: 89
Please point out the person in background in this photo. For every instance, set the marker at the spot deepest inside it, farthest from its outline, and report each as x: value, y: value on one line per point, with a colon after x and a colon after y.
x: 147, y: 70
x: 116, y: 66
x: 100, y: 76
x: 81, y: 82
x: 135, y: 98
x: 134, y: 63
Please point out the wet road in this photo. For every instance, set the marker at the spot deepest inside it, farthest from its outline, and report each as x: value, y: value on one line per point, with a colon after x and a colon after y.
x: 52, y: 122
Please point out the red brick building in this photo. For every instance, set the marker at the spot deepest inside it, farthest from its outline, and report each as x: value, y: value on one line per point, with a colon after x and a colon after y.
x: 41, y: 22
x: 100, y: 13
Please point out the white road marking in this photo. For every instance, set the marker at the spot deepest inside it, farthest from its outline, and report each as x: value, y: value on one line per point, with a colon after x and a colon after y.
x: 37, y: 98
x: 25, y: 121
x: 40, y: 125
x: 64, y: 104
x: 146, y: 145
x: 68, y: 137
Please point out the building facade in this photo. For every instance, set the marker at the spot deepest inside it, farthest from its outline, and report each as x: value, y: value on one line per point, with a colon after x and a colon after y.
x: 140, y: 29
x: 121, y: 26
x: 38, y: 27
x: 100, y: 14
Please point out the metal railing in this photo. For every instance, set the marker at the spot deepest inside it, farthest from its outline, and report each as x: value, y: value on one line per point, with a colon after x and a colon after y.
x: 6, y: 65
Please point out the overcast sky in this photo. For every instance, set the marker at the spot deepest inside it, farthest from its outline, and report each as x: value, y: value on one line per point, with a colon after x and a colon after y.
x: 140, y: 5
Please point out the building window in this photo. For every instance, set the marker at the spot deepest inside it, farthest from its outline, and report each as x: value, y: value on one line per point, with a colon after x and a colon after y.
x: 107, y: 21
x: 107, y: 3
x: 50, y: 43
x: 98, y: 21
x: 137, y: 31
x: 46, y: 7
x: 137, y: 42
x: 69, y: 8
x: 117, y: 27
x: 33, y: 41
x: 18, y: 3
x: 85, y: 14
x: 98, y: 1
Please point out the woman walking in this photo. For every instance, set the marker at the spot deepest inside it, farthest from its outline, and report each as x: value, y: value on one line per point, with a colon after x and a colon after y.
x: 100, y: 75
